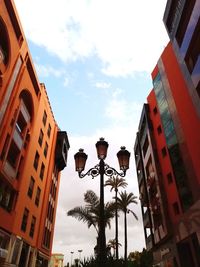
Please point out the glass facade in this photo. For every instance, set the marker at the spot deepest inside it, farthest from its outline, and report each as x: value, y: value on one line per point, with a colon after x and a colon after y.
x: 172, y: 144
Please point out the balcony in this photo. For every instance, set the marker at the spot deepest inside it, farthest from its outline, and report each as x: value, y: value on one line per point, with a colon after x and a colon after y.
x: 149, y: 242
x: 137, y: 159
x: 146, y: 220
x: 9, y: 171
x: 140, y: 177
x: 62, y: 148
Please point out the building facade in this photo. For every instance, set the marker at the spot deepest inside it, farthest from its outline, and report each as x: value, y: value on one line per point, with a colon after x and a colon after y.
x: 57, y: 260
x: 167, y: 145
x: 33, y: 151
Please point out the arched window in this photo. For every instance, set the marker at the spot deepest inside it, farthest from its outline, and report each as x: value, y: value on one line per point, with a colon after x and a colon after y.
x: 4, y: 46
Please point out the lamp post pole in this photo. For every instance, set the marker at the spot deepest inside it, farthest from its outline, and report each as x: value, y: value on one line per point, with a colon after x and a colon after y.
x: 102, y: 169
x: 72, y: 252
x: 102, y: 236
x: 80, y: 250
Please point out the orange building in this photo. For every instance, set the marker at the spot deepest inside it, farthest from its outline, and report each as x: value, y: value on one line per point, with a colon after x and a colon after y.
x: 33, y: 151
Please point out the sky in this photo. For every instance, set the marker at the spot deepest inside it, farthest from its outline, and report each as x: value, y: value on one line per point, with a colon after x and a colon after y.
x: 95, y: 58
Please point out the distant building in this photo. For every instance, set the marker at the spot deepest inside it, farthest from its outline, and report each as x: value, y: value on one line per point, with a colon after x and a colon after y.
x: 33, y: 151
x: 167, y: 145
x: 57, y: 260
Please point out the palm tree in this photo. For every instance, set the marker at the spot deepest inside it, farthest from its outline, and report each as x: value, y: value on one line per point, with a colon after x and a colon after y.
x: 112, y: 244
x: 90, y: 213
x: 124, y: 200
x: 115, y: 183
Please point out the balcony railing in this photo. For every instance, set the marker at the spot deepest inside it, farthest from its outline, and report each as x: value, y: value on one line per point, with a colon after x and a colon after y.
x: 18, y: 139
x: 146, y: 220
x: 9, y: 170
x: 149, y: 242
x: 140, y: 177
x: 25, y: 113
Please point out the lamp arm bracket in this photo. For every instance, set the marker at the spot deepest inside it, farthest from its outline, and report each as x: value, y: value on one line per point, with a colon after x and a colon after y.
x: 93, y: 172
x: 110, y: 171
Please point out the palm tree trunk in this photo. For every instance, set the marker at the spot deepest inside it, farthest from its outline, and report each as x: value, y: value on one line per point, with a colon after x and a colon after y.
x: 116, y: 226
x: 125, y: 238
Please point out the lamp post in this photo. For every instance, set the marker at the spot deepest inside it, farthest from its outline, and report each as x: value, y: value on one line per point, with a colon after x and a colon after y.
x: 72, y: 252
x: 79, y: 251
x: 101, y: 169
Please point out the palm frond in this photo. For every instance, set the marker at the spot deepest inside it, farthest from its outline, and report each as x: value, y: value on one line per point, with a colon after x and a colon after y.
x: 116, y: 182
x: 125, y: 199
x: 91, y: 198
x: 136, y: 217
x: 83, y: 214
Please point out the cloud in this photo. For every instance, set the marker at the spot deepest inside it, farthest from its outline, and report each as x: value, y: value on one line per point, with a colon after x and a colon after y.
x: 66, y: 82
x: 126, y: 35
x: 46, y: 71
x: 103, y: 85
x: 121, y: 111
x: 72, y: 235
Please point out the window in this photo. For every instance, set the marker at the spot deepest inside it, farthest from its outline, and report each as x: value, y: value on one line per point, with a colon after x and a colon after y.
x: 32, y: 229
x: 49, y: 130
x: 164, y: 152
x: 40, y: 139
x: 6, y: 196
x: 155, y: 111
x: 21, y: 123
x: 45, y: 149
x: 13, y: 154
x: 36, y: 160
x: 5, y: 147
x: 4, y: 46
x: 24, y: 220
x: 198, y: 89
x: 44, y: 119
x: 194, y: 49
x: 176, y: 208
x: 47, y: 237
x: 42, y: 171
x: 145, y: 146
x: 185, y: 17
x: 31, y: 187
x: 169, y: 178
x: 20, y: 167
x: 37, y: 197
x: 159, y: 129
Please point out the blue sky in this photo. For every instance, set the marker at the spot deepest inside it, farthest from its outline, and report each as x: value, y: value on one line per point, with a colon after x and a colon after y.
x: 95, y: 58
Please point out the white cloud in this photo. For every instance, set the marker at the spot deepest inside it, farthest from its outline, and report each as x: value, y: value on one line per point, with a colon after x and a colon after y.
x: 66, y: 82
x: 126, y: 35
x: 121, y: 111
x: 103, y: 85
x: 46, y: 71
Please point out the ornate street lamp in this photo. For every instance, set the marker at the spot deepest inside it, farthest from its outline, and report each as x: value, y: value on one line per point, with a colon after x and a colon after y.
x: 79, y: 251
x: 72, y: 252
x: 101, y: 169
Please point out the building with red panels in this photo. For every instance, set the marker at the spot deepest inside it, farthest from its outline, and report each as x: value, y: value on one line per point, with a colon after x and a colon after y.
x: 167, y: 146
x: 167, y: 159
x: 33, y: 151
x: 182, y: 22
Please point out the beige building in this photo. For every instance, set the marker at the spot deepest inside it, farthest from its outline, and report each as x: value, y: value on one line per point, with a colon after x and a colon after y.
x: 57, y: 260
